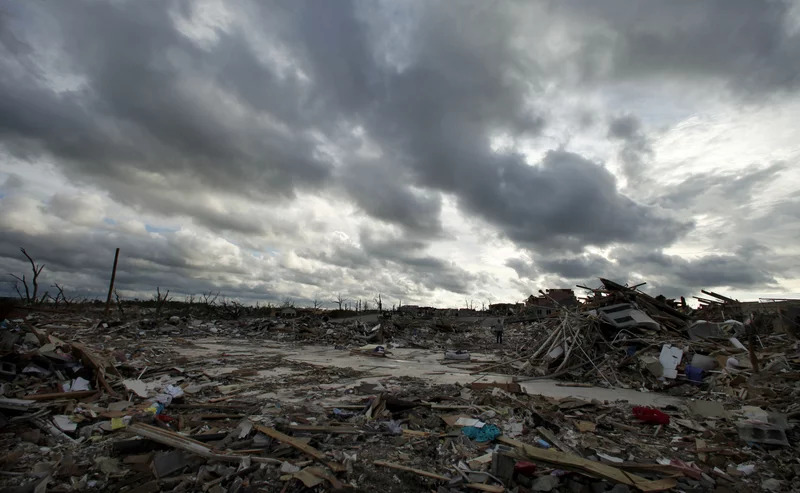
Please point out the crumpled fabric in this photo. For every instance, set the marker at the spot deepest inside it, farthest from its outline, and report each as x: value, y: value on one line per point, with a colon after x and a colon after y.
x: 485, y: 434
x: 650, y: 415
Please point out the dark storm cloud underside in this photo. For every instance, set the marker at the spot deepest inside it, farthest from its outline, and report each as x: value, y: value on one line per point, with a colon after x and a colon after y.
x: 146, y: 106
x: 433, y: 119
x: 750, y: 46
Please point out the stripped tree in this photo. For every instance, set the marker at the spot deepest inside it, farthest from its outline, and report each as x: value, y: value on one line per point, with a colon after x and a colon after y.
x: 37, y: 269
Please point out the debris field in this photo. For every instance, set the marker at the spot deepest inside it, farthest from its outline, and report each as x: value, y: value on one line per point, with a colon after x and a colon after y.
x: 623, y: 392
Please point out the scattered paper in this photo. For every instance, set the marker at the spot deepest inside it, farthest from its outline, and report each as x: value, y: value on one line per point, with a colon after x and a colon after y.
x: 64, y: 423
x: 746, y: 469
x: 245, y: 427
x: 77, y: 385
x: 108, y: 465
x: 610, y: 458
x: 288, y: 468
x: 513, y: 429
x: 138, y: 387
x: 470, y: 422
x: 174, y: 391
x: 737, y: 343
x: 32, y: 368
x: 119, y: 406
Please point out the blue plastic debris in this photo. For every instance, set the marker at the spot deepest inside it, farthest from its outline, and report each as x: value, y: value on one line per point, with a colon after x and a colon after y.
x: 342, y: 414
x: 694, y: 374
x: 486, y: 433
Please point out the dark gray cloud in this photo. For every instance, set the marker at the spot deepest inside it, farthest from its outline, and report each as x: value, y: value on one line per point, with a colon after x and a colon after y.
x: 577, y: 267
x: 153, y: 106
x: 12, y: 182
x: 385, y: 194
x: 748, y: 267
x: 636, y: 149
x: 393, y: 110
x: 754, y: 47
x: 523, y: 267
x: 404, y: 256
x: 570, y: 202
x: 720, y: 188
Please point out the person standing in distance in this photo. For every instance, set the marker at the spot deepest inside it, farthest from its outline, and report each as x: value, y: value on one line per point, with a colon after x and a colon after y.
x: 498, y: 330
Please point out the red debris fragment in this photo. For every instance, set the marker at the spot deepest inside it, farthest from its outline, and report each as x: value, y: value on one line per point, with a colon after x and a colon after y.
x: 650, y: 415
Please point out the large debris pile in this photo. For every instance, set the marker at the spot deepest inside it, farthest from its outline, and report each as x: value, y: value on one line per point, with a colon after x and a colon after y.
x: 624, y: 338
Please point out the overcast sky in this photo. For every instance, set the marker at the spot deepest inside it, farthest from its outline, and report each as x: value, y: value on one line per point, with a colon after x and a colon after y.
x: 432, y: 151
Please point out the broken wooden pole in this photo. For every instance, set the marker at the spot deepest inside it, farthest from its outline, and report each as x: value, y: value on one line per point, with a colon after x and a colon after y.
x: 303, y: 447
x: 111, y: 284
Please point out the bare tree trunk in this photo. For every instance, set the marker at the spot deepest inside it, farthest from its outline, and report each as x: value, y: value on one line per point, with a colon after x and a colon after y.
x: 160, y: 300
x: 27, y: 298
x: 61, y: 295
x: 37, y: 269
x: 119, y: 304
x: 340, y: 300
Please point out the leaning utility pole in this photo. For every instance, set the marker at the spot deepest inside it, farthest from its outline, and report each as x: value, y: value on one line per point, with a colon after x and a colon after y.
x: 111, y: 285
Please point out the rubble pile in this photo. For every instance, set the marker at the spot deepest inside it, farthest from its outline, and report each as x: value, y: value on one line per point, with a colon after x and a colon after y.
x: 175, y: 402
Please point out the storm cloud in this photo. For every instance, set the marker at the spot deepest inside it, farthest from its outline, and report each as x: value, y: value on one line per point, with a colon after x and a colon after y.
x: 367, y: 144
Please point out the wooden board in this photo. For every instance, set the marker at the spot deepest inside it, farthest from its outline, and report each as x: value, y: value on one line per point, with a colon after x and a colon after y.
x: 182, y: 442
x: 349, y: 430
x: 485, y: 487
x: 303, y: 447
x: 78, y: 394
x: 585, y: 466
x: 419, y: 472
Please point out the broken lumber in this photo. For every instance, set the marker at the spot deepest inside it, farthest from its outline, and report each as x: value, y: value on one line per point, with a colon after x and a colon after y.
x: 303, y: 447
x: 16, y: 404
x: 588, y: 467
x: 90, y: 359
x: 182, y: 442
x: 550, y: 437
x: 50, y: 428
x: 79, y: 394
x: 419, y: 472
x: 322, y: 474
x: 348, y: 430
x: 485, y: 487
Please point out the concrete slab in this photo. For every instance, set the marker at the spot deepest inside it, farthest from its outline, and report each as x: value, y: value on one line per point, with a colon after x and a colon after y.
x: 413, y: 362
